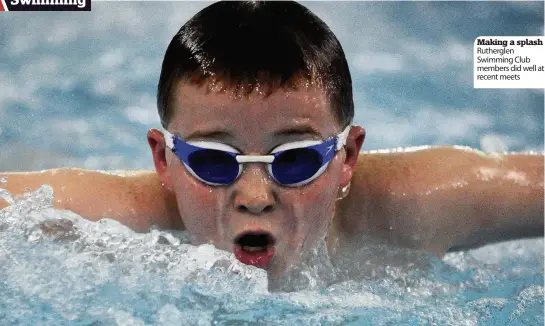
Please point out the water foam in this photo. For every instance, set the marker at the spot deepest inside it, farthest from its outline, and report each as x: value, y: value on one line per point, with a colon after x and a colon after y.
x: 59, y: 268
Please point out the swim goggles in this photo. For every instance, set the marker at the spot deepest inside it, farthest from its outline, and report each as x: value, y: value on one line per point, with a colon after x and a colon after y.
x: 291, y: 164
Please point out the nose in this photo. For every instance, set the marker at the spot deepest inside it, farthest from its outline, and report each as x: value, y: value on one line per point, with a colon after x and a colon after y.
x: 253, y: 191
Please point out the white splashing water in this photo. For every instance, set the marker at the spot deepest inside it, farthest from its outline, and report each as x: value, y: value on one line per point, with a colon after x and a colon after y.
x: 493, y: 143
x: 58, y: 269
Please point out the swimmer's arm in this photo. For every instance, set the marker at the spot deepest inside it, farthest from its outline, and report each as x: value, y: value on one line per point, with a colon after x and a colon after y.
x: 136, y: 199
x: 509, y: 202
x: 440, y: 198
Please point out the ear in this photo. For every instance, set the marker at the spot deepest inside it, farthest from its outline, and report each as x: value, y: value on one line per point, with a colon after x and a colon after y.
x: 353, y: 146
x: 156, y: 142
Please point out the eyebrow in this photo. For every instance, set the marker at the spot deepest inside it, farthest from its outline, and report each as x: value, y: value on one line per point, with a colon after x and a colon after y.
x: 286, y: 132
x: 218, y: 134
x: 297, y: 130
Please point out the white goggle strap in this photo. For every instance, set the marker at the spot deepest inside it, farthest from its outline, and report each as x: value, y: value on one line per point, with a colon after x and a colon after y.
x: 341, y: 141
x: 341, y: 138
x: 169, y: 139
x: 255, y: 158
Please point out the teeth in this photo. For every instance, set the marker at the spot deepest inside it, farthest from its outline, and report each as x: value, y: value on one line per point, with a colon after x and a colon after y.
x: 252, y: 249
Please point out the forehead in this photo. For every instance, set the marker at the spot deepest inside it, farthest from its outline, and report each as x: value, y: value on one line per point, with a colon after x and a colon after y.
x: 250, y: 119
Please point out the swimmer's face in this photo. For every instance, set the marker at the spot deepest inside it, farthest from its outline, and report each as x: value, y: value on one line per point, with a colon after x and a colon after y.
x: 296, y: 217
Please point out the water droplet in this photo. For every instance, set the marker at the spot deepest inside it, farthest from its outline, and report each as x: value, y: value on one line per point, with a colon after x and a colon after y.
x: 4, y: 194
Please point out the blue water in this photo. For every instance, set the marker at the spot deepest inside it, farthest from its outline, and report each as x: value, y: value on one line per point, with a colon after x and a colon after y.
x: 102, y: 273
x: 78, y: 90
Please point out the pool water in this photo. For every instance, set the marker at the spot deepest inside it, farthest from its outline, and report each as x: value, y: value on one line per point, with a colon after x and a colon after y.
x: 60, y: 269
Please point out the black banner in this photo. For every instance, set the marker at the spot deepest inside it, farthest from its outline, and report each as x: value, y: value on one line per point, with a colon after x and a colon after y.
x: 47, y: 5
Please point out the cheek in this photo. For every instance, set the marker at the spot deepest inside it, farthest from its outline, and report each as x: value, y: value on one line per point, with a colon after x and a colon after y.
x: 197, y: 207
x: 314, y: 208
x: 321, y: 197
x: 319, y: 205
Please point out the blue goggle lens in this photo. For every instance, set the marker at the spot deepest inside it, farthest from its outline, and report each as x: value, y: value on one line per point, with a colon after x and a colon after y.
x: 289, y: 167
x: 296, y: 165
x: 214, y: 166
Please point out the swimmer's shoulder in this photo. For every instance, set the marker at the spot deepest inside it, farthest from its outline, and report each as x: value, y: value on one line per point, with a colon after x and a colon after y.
x: 134, y: 198
x: 435, y: 198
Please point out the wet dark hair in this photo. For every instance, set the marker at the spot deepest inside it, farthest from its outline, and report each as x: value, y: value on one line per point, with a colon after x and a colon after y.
x: 245, y: 44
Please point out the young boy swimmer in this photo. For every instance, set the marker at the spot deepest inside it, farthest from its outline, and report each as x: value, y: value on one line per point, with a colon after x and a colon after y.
x: 260, y: 158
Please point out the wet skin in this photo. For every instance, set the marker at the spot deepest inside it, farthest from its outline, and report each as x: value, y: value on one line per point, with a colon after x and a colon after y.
x: 255, y: 124
x: 432, y: 199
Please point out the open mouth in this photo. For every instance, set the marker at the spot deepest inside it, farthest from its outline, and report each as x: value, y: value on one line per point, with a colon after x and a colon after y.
x: 254, y: 248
